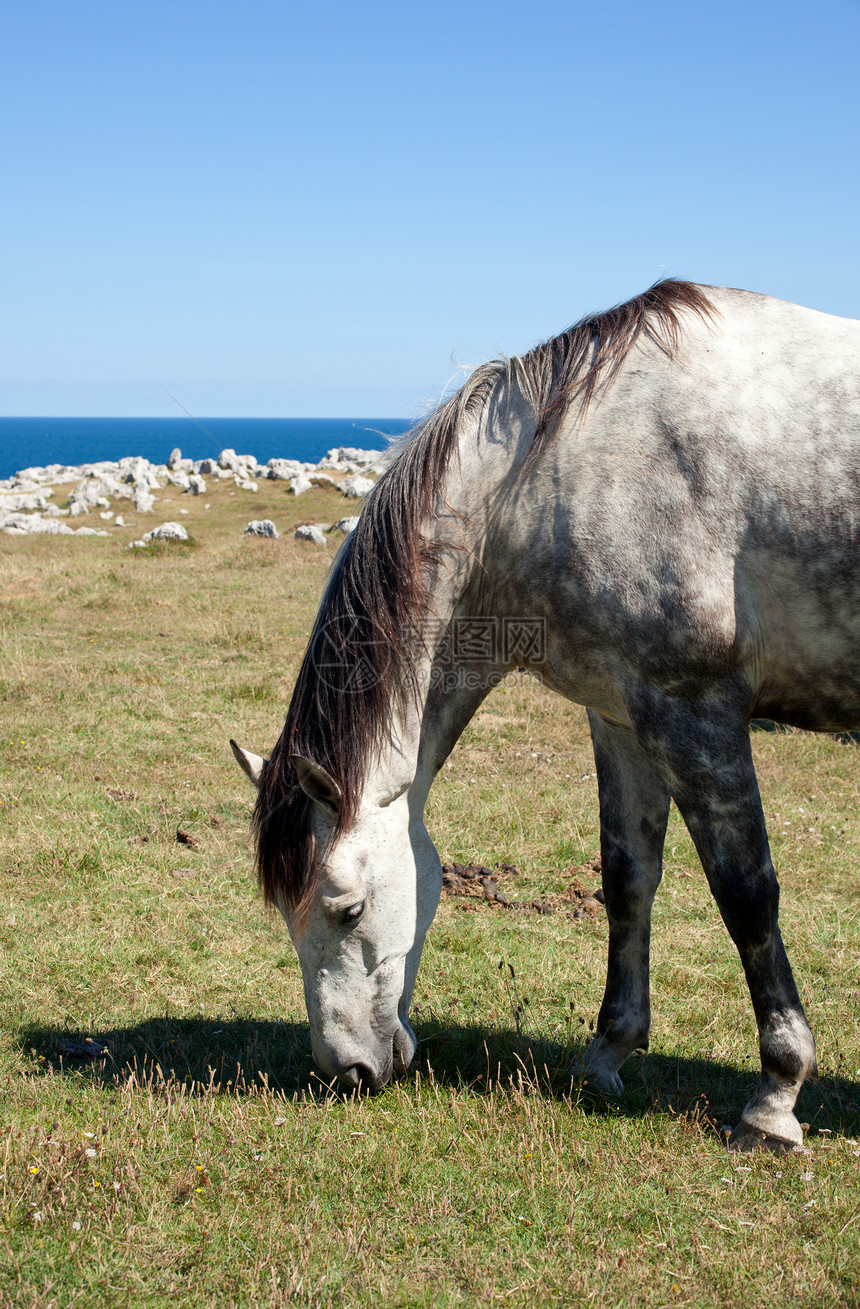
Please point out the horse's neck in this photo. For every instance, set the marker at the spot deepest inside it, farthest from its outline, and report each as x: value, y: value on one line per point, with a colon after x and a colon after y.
x: 446, y: 700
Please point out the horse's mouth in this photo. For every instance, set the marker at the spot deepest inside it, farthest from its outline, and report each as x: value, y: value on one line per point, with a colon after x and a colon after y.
x: 366, y: 1078
x: 404, y: 1046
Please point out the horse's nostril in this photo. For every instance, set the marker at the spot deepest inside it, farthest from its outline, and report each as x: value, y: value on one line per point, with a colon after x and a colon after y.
x: 359, y: 1075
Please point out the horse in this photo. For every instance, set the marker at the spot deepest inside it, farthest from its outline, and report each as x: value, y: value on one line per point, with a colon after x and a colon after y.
x: 657, y: 512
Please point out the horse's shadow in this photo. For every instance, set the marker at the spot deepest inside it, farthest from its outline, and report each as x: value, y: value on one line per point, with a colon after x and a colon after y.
x: 243, y: 1055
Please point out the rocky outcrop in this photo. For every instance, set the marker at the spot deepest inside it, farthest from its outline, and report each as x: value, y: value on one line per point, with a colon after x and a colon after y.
x: 283, y: 470
x: 310, y: 532
x: 355, y: 487
x: 166, y: 532
x: 97, y: 492
x: 262, y: 527
x: 11, y: 503
x: 346, y: 459
x: 35, y: 524
x: 25, y: 506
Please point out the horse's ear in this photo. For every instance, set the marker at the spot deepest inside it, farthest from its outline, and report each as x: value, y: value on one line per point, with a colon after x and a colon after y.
x: 317, y: 784
x: 251, y: 764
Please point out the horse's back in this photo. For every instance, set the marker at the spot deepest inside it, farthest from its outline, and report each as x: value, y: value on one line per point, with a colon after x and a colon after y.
x: 706, y: 514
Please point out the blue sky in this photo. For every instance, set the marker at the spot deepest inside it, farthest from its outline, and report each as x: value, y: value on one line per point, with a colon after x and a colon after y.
x: 272, y: 208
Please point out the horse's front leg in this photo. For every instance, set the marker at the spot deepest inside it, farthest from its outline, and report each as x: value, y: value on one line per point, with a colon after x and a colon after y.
x: 634, y: 808
x: 702, y: 748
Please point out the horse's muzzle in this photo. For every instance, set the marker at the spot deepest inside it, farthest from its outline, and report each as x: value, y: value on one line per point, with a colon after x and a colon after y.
x: 363, y: 1076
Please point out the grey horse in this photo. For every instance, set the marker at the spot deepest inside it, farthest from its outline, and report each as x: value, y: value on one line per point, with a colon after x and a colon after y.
x: 658, y: 512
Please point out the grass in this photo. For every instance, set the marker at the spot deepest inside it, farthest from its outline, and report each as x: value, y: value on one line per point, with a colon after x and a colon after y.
x: 200, y: 1159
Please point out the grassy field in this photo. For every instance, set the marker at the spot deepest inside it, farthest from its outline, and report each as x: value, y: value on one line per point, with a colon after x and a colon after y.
x: 199, y: 1160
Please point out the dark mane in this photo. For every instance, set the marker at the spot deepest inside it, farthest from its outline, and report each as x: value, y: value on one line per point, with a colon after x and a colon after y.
x: 356, y: 670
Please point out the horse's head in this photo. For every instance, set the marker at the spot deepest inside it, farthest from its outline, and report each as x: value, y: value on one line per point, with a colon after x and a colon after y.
x: 375, y: 892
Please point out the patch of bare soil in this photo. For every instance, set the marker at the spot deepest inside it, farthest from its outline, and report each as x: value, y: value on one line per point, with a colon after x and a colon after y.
x: 497, y: 886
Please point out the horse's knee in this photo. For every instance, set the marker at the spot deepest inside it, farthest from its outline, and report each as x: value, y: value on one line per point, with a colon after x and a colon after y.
x: 629, y: 883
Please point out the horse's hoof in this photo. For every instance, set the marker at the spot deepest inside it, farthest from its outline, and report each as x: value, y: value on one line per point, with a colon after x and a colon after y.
x: 594, y: 1078
x: 745, y: 1138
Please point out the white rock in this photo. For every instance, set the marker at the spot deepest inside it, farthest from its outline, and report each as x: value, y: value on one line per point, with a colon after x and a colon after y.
x: 355, y: 487
x: 134, y: 469
x: 299, y: 484
x: 174, y: 461
x: 345, y: 459
x: 95, y: 493
x: 13, y: 504
x: 36, y: 477
x: 179, y: 478
x: 205, y: 466
x: 321, y: 479
x: 347, y: 525
x: 142, y: 476
x: 227, y: 459
x: 262, y: 527
x: 119, y: 521
x: 245, y: 484
x: 347, y: 454
x: 36, y: 525
x: 196, y: 485
x: 23, y: 484
x: 59, y: 476
x: 32, y: 524
x: 310, y: 532
x: 106, y: 514
x: 281, y: 470
x: 167, y: 532
x: 143, y: 501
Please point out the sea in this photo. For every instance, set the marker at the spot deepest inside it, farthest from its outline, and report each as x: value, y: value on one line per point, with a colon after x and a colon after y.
x: 35, y: 442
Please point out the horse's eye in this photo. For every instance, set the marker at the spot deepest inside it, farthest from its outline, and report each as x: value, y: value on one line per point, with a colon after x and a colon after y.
x: 353, y: 913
